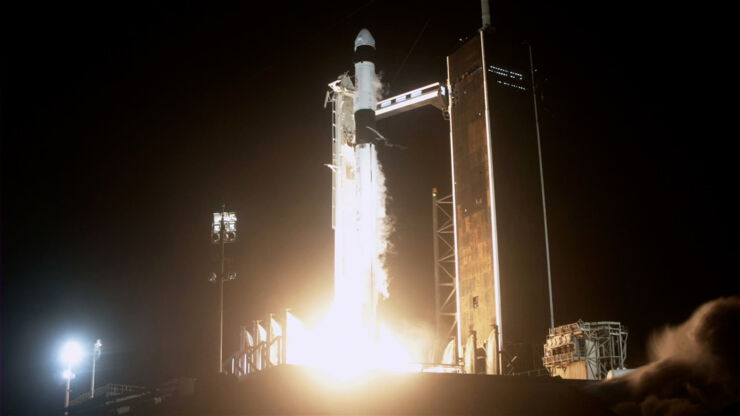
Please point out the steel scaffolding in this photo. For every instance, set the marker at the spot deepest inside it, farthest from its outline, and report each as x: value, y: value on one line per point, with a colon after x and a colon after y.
x: 585, y: 349
x: 443, y: 228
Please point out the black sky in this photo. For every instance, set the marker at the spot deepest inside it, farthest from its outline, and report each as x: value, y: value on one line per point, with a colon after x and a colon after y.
x: 124, y: 125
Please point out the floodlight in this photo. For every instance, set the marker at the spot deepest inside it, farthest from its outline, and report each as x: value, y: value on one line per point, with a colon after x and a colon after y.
x: 224, y: 227
x: 96, y: 349
x: 71, y: 353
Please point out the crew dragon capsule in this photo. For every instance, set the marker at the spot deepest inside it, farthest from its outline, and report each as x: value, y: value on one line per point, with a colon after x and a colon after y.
x: 365, y: 101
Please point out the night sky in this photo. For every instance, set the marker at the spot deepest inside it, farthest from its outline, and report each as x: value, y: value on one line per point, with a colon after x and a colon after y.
x: 125, y: 126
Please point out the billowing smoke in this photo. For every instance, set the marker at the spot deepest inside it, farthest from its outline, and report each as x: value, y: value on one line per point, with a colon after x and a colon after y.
x: 385, y: 223
x: 694, y: 368
x: 385, y: 227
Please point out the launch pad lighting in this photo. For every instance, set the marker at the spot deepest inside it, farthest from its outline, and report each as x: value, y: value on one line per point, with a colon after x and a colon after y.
x: 223, y: 230
x: 227, y: 220
x: 97, y: 350
x: 71, y: 353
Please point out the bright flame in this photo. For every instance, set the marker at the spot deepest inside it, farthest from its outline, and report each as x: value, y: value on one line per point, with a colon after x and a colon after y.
x: 349, y: 341
x: 71, y: 353
x: 361, y: 235
x: 343, y: 350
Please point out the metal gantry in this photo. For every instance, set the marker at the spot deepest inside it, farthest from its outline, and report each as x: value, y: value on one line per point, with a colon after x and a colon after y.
x: 109, y: 392
x: 585, y: 349
x: 443, y: 229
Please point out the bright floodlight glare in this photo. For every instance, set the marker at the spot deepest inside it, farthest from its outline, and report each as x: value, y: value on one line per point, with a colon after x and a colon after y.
x: 68, y: 374
x: 216, y: 222
x: 228, y: 220
x: 97, y: 349
x: 71, y: 353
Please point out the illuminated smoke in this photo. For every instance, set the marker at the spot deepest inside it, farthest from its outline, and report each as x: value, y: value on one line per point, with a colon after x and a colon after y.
x: 695, y: 368
x: 384, y: 221
x: 384, y: 227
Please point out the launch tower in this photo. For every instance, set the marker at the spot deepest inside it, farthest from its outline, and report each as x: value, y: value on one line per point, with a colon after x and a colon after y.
x: 502, y: 285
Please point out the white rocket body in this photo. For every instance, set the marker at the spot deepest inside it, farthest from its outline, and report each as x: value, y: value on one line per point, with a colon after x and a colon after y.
x: 367, y: 172
x: 359, y: 194
x: 367, y: 266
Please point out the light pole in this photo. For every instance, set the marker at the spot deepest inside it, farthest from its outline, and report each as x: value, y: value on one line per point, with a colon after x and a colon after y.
x: 71, y: 354
x: 223, y: 231
x: 542, y: 186
x: 96, y: 354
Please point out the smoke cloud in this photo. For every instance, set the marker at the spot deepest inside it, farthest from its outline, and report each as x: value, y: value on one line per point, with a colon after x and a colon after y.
x: 385, y: 224
x: 694, y: 368
x: 385, y: 228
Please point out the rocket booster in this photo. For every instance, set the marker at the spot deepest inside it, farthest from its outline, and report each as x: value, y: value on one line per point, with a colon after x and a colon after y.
x: 359, y: 195
x: 367, y: 176
x: 365, y: 101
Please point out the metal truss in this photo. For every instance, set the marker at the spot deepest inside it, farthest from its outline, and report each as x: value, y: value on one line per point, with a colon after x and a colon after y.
x: 445, y: 303
x: 602, y: 345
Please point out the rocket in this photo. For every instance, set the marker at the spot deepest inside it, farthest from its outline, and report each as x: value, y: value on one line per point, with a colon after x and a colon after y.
x: 358, y: 195
x: 367, y: 172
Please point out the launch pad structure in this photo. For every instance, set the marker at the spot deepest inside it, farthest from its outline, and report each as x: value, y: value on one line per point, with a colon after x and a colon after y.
x: 585, y: 350
x: 491, y: 281
x: 445, y: 285
x: 491, y: 256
